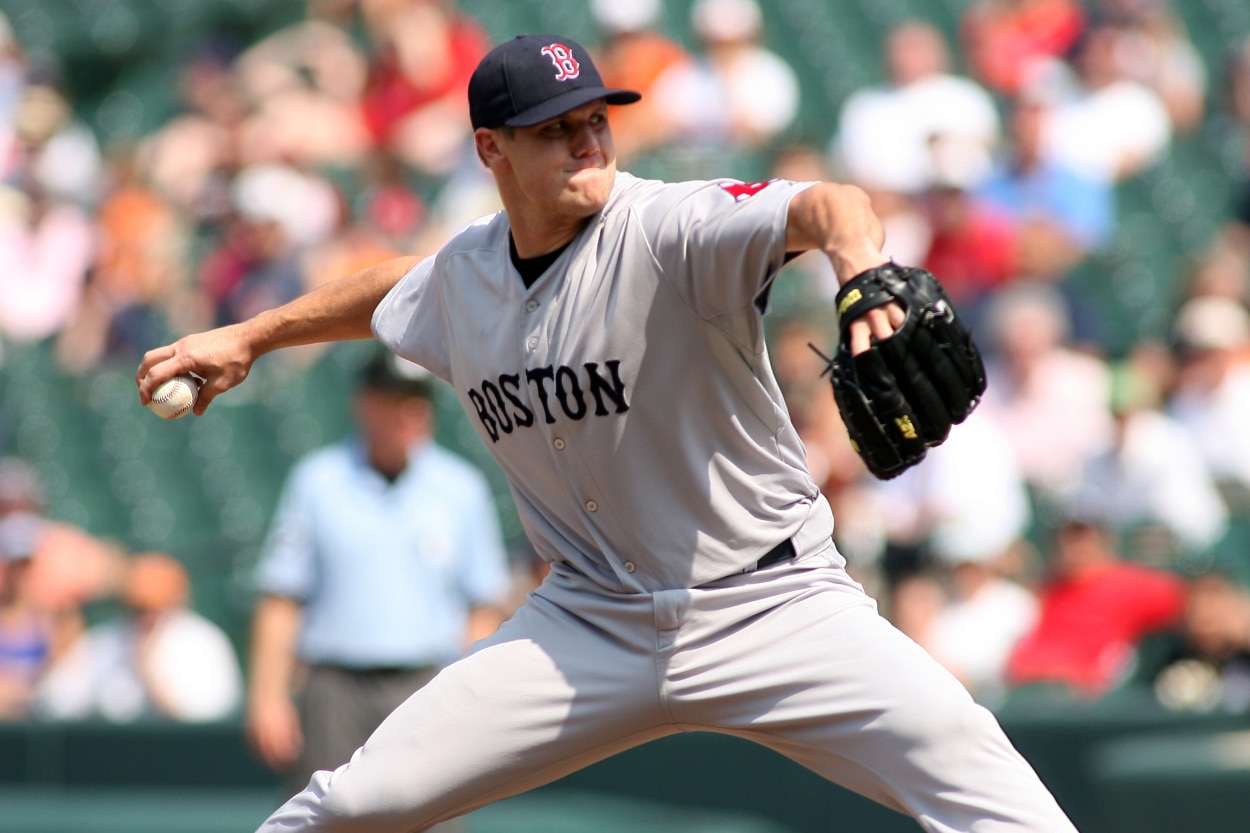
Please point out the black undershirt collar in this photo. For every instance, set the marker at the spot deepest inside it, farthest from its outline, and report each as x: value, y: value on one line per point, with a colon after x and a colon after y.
x: 532, y: 268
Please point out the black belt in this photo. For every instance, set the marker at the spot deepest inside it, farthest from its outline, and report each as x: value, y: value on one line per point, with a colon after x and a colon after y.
x: 782, y: 552
x: 384, y: 670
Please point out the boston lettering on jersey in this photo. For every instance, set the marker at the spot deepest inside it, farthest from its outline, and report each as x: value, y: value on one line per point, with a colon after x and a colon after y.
x: 501, y: 403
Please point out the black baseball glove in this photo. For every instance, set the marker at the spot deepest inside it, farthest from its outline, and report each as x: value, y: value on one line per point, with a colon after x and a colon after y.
x: 900, y: 397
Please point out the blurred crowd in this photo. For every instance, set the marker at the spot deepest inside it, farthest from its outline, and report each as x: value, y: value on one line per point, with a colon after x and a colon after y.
x: 1084, y: 531
x: 1089, y: 510
x: 89, y: 630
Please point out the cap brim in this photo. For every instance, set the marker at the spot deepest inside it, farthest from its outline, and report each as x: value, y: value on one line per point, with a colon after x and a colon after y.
x: 561, y: 104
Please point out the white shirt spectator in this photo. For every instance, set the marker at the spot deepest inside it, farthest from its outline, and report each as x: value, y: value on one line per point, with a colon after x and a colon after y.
x: 189, y: 661
x: 1212, y: 394
x: 1050, y: 400
x: 974, y: 636
x: 1103, y: 124
x: 884, y: 132
x: 1157, y: 475
x: 157, y: 659
x: 1109, y: 133
x: 1216, y: 419
x: 968, y: 497
x: 969, y: 500
x: 45, y: 254
x: 737, y: 92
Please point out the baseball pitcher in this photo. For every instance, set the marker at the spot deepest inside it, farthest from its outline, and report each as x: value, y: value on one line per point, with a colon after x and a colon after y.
x: 604, y: 335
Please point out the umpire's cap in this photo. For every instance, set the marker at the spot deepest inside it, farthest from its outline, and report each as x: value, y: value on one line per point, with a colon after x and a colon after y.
x: 385, y: 371
x: 532, y: 78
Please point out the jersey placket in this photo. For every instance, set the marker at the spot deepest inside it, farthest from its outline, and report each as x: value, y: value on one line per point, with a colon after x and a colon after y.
x: 542, y: 351
x: 537, y: 354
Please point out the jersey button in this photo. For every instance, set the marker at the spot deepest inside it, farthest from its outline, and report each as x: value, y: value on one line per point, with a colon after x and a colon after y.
x: 630, y: 566
x: 591, y: 506
x: 559, y: 444
x: 533, y: 342
x: 530, y: 306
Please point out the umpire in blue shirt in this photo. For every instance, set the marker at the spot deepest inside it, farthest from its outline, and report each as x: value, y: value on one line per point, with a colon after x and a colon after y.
x: 384, y: 562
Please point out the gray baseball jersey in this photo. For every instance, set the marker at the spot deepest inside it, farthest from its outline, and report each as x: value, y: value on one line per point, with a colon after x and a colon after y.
x: 627, y: 458
x: 628, y: 396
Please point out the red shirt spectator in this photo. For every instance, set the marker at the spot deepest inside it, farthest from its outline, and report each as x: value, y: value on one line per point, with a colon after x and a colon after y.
x: 1094, y: 612
x: 973, y: 245
x: 425, y: 54
x: 973, y: 248
x: 1003, y: 40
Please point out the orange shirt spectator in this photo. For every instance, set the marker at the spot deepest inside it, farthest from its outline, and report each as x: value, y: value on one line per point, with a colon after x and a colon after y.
x: 139, y: 275
x: 632, y: 55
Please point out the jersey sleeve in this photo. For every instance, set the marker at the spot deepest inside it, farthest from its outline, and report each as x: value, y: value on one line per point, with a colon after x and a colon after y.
x: 410, y: 322
x: 721, y: 243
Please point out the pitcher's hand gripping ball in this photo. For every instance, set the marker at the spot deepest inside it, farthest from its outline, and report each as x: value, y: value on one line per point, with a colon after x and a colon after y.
x: 900, y: 397
x: 175, y: 397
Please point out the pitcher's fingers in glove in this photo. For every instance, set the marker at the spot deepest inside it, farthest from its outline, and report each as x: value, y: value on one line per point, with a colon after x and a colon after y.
x: 879, y: 423
x: 954, y: 359
x: 912, y: 374
x: 903, y: 393
x: 932, y: 350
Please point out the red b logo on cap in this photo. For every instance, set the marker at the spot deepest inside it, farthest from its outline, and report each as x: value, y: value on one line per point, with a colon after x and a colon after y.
x: 567, y: 67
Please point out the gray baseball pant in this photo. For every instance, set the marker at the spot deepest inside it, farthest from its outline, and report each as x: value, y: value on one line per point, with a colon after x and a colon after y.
x: 794, y: 657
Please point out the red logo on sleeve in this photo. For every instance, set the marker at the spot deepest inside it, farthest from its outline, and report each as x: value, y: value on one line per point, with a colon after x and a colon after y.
x: 741, y: 190
x: 567, y: 67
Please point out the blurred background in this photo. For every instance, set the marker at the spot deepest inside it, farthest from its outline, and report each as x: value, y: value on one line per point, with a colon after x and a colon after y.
x: 1077, y: 172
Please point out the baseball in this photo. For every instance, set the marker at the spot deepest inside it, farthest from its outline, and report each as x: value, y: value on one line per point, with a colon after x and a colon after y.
x: 175, y: 397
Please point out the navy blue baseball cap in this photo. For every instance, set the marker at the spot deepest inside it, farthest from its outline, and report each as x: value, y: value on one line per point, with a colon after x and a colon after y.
x: 533, y: 78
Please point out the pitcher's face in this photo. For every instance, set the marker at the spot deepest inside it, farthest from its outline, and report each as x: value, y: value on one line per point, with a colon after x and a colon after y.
x: 563, y: 168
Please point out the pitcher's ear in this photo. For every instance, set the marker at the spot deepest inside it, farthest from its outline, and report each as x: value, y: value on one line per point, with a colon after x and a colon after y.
x: 486, y: 141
